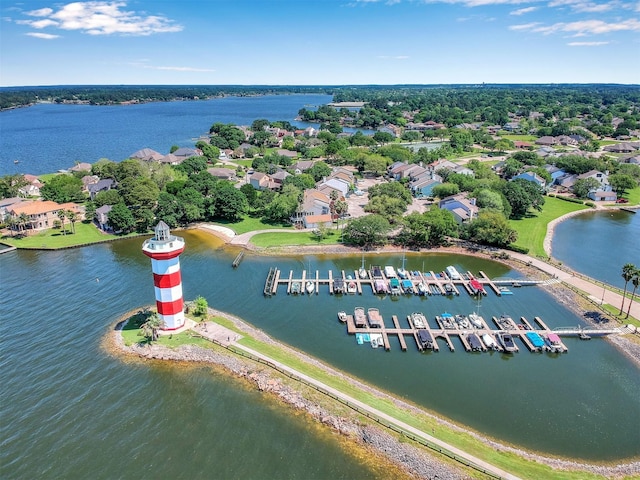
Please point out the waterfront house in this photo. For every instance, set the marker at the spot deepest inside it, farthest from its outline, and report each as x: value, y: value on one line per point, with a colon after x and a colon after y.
x: 5, y: 203
x: 316, y: 221
x: 102, y: 217
x: 314, y: 202
x: 602, y: 178
x: 147, y: 155
x: 81, y: 167
x: 464, y: 209
x: 42, y: 214
x: 32, y: 188
x: 184, y: 152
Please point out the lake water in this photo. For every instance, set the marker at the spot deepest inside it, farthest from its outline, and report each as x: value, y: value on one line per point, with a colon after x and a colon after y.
x: 71, y: 411
x: 598, y: 244
x: 46, y: 138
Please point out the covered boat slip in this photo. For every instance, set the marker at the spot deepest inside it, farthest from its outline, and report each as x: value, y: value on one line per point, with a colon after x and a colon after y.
x: 474, y: 337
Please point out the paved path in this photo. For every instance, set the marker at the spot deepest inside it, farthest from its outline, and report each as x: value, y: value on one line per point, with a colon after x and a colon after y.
x: 419, y: 433
x: 597, y: 291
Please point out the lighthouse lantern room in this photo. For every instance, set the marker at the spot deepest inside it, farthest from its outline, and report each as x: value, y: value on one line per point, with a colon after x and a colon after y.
x: 164, y: 250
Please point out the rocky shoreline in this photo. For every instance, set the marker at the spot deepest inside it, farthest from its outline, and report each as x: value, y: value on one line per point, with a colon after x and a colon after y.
x: 416, y: 462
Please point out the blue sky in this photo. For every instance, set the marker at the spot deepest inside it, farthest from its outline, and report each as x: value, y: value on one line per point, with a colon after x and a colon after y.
x: 319, y: 42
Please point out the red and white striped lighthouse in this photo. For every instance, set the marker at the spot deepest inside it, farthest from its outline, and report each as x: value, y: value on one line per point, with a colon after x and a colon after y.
x: 164, y: 250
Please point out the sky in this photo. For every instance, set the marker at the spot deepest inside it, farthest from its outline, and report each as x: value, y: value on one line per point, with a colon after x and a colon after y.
x: 318, y: 42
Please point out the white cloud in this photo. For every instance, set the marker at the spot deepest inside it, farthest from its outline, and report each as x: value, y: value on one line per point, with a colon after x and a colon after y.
x: 587, y: 44
x: 44, y: 36
x: 101, y: 18
x: 524, y: 26
x: 585, y: 6
x: 522, y: 11
x: 589, y: 27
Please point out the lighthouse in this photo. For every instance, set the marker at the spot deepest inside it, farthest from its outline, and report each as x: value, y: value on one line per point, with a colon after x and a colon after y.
x: 164, y: 250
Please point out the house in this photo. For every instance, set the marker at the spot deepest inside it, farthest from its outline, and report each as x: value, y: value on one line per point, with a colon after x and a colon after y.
x: 223, y: 173
x: 452, y: 167
x: 546, y: 141
x: 262, y: 181
x: 621, y: 148
x: 32, y: 189
x: 423, y: 187
x: 522, y: 145
x: 81, y: 167
x: 314, y: 202
x: 566, y: 181
x: 89, y: 180
x: 315, y: 221
x: 171, y: 159
x: 102, y: 217
x: 511, y: 126
x: 603, y: 178
x: 43, y: 213
x: 279, y: 177
x: 286, y: 153
x: 555, y: 173
x: 531, y: 177
x: 602, y: 196
x: 332, y: 183
x: 464, y: 209
x: 100, y: 186
x: 302, y: 166
x: 184, y: 152
x: 147, y: 155
x: 5, y: 203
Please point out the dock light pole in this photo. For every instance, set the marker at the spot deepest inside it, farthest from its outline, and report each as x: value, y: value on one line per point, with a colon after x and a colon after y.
x: 164, y: 250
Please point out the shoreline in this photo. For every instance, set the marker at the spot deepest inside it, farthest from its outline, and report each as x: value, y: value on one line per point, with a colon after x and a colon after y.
x: 413, y: 460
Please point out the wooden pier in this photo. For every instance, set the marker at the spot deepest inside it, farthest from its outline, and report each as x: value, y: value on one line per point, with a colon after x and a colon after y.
x: 450, y: 328
x: 238, y: 259
x: 436, y: 284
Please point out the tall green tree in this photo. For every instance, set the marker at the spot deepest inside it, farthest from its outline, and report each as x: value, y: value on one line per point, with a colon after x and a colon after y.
x: 635, y: 281
x: 63, y: 188
x: 628, y: 272
x: 62, y: 215
x: 121, y: 219
x: 367, y: 231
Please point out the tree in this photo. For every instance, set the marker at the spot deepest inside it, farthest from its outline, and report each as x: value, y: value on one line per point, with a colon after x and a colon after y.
x: 192, y: 165
x: 583, y: 186
x: 250, y: 193
x: 150, y: 329
x: 10, y: 184
x: 62, y: 215
x: 445, y: 190
x: 229, y: 202
x: 628, y: 272
x: 139, y: 191
x: 491, y: 228
x: 635, y: 280
x: 319, y: 170
x: 107, y: 197
x: 73, y: 217
x: 62, y: 189
x: 621, y: 182
x: 121, y: 219
x: 367, y: 231
x: 23, y: 219
x: 461, y: 140
x: 376, y: 164
x: 523, y: 195
x: 200, y: 306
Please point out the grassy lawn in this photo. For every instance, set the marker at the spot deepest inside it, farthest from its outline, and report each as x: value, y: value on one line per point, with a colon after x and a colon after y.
x: 294, y: 238
x: 532, y: 229
x: 54, y: 238
x: 520, y: 138
x: 250, y: 224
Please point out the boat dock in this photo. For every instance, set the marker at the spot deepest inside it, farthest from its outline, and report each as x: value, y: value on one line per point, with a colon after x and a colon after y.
x: 447, y: 330
x: 350, y: 282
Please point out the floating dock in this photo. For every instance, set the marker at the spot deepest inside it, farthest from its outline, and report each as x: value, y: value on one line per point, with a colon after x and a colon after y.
x: 443, y: 329
x: 349, y: 282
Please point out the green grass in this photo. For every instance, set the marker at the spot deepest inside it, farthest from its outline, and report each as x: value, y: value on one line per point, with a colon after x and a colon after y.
x: 45, y: 177
x: 615, y: 311
x: 251, y: 224
x: 507, y: 461
x: 293, y: 238
x: 54, y: 238
x: 533, y: 228
x: 520, y: 138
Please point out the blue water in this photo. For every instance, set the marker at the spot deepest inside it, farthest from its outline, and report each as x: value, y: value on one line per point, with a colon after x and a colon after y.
x: 598, y: 244
x: 47, y: 137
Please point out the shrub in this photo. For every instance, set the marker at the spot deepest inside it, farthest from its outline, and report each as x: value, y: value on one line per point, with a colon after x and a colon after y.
x: 518, y: 248
x: 572, y: 200
x: 590, y: 204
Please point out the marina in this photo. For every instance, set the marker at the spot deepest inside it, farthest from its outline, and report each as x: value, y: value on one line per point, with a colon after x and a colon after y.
x: 475, y: 335
x: 385, y: 280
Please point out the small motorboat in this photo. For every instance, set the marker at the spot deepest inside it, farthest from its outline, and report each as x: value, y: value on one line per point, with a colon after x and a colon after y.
x: 422, y: 289
x: 309, y: 287
x: 342, y: 316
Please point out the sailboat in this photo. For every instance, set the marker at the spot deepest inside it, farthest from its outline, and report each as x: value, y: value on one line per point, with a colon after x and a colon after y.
x: 362, y: 272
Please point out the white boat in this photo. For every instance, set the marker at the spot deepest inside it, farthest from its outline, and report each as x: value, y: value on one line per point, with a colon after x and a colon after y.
x: 476, y: 320
x: 309, y: 287
x: 351, y: 286
x: 453, y: 273
x: 422, y: 288
x: 342, y: 316
x: 419, y: 320
x: 489, y: 341
x: 389, y: 272
x: 402, y: 273
x: 362, y: 272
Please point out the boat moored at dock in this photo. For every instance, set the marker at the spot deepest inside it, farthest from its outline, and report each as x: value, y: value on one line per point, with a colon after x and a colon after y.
x: 490, y: 342
x: 418, y: 320
x: 375, y: 319
x: 506, y: 342
x: 359, y: 317
x: 452, y: 273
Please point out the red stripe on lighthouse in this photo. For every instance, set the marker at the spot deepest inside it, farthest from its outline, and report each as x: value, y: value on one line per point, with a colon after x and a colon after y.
x: 167, y: 280
x: 169, y: 308
x: 163, y: 255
